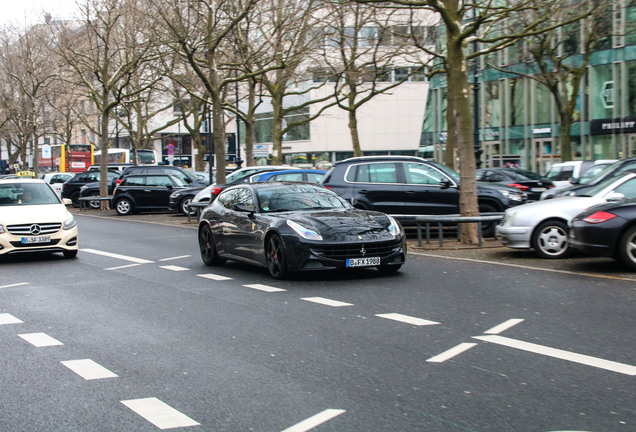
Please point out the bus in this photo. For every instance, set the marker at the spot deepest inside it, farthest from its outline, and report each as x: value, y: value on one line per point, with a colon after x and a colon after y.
x: 119, y: 156
x: 73, y: 158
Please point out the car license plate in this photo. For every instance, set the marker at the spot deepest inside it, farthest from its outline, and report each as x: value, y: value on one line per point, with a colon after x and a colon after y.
x: 363, y: 262
x: 40, y: 239
x: 538, y: 189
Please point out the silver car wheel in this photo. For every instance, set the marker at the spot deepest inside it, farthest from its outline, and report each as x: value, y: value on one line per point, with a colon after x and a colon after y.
x: 550, y: 240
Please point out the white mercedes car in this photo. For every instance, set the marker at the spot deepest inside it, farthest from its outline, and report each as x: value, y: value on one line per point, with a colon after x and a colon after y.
x: 543, y: 225
x: 33, y: 218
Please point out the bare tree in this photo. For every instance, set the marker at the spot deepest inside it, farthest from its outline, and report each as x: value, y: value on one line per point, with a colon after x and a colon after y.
x: 558, y: 59
x: 201, y: 33
x: 27, y: 75
x: 104, y: 53
x: 464, y: 23
x: 362, y: 47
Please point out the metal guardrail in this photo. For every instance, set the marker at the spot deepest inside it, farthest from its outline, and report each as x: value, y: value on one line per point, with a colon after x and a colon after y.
x: 197, y: 209
x: 452, y: 219
x: 84, y: 202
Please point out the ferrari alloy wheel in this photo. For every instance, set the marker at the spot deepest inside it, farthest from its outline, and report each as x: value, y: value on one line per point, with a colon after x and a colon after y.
x: 550, y: 240
x: 627, y: 248
x: 124, y: 207
x: 207, y: 247
x: 274, y: 253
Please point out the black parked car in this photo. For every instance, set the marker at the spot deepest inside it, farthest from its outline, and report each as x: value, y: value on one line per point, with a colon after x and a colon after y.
x: 288, y: 227
x: 607, y: 230
x: 71, y: 188
x: 92, y: 189
x: 145, y: 192
x: 181, y: 198
x: 527, y: 181
x: 578, y: 188
x: 406, y: 186
x: 186, y: 176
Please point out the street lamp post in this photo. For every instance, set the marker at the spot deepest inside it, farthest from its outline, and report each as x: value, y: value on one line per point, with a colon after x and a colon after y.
x: 237, y: 143
x: 179, y: 133
x: 210, y: 153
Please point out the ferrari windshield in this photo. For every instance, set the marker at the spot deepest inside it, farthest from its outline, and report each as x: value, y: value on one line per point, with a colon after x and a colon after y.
x: 26, y: 193
x: 298, y: 197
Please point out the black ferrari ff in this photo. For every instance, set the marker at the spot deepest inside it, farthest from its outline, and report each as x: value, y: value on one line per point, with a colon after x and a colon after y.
x: 289, y: 227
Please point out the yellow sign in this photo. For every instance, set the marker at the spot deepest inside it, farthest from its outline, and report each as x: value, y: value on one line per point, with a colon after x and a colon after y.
x: 27, y: 174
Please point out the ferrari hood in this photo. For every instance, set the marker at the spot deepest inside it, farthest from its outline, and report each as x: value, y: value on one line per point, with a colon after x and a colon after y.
x: 352, y: 225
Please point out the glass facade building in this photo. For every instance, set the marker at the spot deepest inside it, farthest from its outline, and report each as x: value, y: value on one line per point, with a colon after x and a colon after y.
x: 517, y: 117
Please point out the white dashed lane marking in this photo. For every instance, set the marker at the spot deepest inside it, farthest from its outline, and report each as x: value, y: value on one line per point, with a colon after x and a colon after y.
x: 265, y: 288
x: 40, y: 339
x: 174, y: 268
x: 407, y: 319
x: 326, y: 302
x: 315, y: 420
x: 215, y: 277
x: 503, y: 326
x: 448, y: 354
x: 6, y: 318
x: 88, y: 369
x: 122, y: 267
x: 159, y: 414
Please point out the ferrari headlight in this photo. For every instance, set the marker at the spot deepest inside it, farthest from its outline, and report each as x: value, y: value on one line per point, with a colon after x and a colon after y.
x: 394, y: 227
x: 69, y: 223
x: 304, y: 232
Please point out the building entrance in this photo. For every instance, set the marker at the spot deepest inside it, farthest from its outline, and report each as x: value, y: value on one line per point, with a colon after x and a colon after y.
x: 543, y: 155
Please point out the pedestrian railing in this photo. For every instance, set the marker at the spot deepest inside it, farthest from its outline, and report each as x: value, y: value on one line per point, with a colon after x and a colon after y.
x: 451, y: 219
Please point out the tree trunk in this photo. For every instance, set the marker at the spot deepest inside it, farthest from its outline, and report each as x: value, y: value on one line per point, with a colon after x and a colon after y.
x: 277, y: 130
x: 355, y: 138
x: 460, y: 127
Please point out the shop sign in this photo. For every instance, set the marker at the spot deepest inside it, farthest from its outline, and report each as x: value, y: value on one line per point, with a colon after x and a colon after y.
x: 609, y: 126
x: 541, y: 131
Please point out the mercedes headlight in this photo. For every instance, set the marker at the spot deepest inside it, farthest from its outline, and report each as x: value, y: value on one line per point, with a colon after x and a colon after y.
x: 304, y: 232
x: 69, y: 223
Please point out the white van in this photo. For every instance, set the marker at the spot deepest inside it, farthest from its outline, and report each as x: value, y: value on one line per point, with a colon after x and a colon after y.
x: 562, y: 174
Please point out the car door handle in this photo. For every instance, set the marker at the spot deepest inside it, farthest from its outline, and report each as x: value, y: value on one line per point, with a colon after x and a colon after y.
x: 363, y: 191
x: 146, y: 190
x: 411, y: 193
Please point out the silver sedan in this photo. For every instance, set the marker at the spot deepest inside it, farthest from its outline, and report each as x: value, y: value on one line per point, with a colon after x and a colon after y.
x: 543, y: 225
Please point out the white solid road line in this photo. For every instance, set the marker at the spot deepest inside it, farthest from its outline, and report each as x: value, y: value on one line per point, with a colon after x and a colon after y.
x: 175, y: 258
x: 265, y: 288
x: 504, y: 326
x: 159, y: 414
x: 448, y: 354
x: 122, y: 267
x: 40, y: 339
x: 6, y: 318
x: 315, y: 420
x: 407, y: 319
x: 561, y: 354
x: 326, y: 302
x: 88, y: 369
x: 117, y: 256
x: 14, y: 285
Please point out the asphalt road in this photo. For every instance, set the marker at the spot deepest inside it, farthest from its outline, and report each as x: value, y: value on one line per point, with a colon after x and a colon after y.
x: 137, y: 334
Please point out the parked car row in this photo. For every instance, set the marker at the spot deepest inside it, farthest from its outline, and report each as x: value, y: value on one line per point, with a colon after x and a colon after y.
x: 594, y: 222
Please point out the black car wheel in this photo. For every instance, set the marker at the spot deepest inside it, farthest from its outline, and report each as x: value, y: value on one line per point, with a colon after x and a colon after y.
x: 95, y: 205
x: 70, y: 253
x: 275, y: 255
x: 207, y: 247
x: 627, y: 248
x: 183, y: 205
x: 75, y: 199
x: 487, y: 228
x: 124, y: 207
x: 550, y: 240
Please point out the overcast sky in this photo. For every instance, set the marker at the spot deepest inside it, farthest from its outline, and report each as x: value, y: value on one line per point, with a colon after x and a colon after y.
x: 19, y: 12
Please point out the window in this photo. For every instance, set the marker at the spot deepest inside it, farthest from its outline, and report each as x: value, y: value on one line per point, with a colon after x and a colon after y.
x: 372, y: 173
x: 288, y: 177
x: 628, y: 188
x: 134, y: 181
x: 422, y: 174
